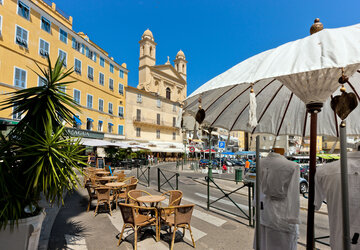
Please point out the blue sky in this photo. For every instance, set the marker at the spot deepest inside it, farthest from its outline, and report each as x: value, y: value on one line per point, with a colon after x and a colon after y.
x: 214, y: 35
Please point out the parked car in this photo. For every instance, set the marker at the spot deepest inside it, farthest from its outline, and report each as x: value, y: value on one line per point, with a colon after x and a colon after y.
x: 250, y: 177
x: 205, y: 163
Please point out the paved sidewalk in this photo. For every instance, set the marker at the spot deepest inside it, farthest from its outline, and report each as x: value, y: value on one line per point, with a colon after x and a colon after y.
x: 77, y: 229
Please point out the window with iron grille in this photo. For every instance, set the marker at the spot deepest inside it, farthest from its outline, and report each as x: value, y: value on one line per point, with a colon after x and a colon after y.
x: 77, y: 66
x: 21, y: 36
x: 44, y: 48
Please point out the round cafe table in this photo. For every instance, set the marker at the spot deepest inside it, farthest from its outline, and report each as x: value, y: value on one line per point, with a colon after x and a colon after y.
x: 105, y: 179
x: 116, y: 186
x: 151, y: 199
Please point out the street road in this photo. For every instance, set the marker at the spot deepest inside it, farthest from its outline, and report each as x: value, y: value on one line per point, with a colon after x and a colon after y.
x: 195, y: 191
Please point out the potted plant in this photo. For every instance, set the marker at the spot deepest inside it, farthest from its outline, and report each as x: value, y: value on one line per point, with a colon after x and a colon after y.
x: 37, y: 157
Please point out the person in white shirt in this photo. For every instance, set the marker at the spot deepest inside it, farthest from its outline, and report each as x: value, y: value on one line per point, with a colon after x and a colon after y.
x: 328, y: 187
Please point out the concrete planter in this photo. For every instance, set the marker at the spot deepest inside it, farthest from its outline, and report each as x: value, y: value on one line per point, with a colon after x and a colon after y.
x: 25, y: 236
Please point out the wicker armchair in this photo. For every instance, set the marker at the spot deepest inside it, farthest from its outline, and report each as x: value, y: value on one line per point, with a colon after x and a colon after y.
x: 134, y: 194
x: 124, y: 195
x: 121, y: 177
x: 103, y: 197
x: 132, y: 218
x: 179, y: 219
x: 175, y: 197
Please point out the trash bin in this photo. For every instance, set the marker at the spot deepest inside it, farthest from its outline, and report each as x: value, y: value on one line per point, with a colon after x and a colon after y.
x: 238, y: 175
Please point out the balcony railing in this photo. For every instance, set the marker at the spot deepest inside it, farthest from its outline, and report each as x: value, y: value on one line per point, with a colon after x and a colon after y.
x: 153, y: 122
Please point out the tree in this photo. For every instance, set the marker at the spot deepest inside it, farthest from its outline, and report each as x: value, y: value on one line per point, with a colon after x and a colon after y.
x: 38, y: 155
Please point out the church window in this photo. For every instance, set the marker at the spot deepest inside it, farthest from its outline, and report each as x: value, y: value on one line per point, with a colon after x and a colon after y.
x: 168, y: 93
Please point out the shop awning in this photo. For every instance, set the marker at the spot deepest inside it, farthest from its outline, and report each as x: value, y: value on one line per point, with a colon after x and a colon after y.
x: 77, y: 120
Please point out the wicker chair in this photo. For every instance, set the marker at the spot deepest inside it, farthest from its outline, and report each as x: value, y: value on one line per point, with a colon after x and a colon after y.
x: 103, y: 197
x: 175, y: 197
x: 92, y: 196
x: 134, y: 194
x: 179, y: 219
x: 124, y: 195
x: 121, y: 177
x: 132, y: 218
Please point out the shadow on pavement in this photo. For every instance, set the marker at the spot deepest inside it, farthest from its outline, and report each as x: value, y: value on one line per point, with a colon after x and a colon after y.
x: 74, y: 205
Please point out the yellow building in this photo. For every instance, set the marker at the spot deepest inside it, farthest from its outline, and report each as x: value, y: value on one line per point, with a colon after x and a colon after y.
x: 305, y: 149
x: 240, y: 135
x: 153, y: 108
x: 31, y: 30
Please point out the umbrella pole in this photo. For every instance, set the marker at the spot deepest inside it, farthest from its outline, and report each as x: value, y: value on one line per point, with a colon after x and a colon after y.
x: 313, y: 109
x: 344, y: 187
x: 257, y: 194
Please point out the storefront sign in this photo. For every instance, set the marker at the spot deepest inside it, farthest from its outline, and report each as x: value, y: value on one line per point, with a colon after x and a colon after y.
x: 85, y: 133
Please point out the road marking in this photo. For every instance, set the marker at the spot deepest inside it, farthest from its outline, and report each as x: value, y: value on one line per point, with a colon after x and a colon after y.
x: 208, y: 218
x: 197, y: 234
x: 75, y: 242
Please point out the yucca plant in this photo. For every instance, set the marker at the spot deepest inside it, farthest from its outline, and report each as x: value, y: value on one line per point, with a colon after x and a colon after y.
x: 38, y: 156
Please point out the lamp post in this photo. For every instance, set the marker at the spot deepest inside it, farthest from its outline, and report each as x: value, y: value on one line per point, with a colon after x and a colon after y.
x: 184, y: 130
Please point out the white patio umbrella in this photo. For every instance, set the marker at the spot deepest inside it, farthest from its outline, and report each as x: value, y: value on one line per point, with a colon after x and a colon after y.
x: 290, y: 81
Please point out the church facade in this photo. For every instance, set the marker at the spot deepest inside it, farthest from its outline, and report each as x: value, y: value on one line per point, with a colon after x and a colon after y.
x: 153, y: 108
x: 165, y: 80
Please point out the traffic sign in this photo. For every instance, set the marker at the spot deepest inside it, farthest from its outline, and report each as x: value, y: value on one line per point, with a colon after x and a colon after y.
x: 221, y: 144
x: 192, y: 149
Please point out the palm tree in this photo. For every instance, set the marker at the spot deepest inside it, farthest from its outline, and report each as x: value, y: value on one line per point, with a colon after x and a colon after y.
x: 38, y: 156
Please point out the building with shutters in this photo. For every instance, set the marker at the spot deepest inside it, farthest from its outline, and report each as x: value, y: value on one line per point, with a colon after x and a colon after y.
x: 153, y: 108
x: 31, y: 31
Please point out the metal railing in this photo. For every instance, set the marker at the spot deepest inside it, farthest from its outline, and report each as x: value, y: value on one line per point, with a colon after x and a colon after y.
x: 227, y: 195
x: 167, y: 179
x: 143, y: 175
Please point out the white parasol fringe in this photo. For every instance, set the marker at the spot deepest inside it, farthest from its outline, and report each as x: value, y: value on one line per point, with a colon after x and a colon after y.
x: 252, y: 111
